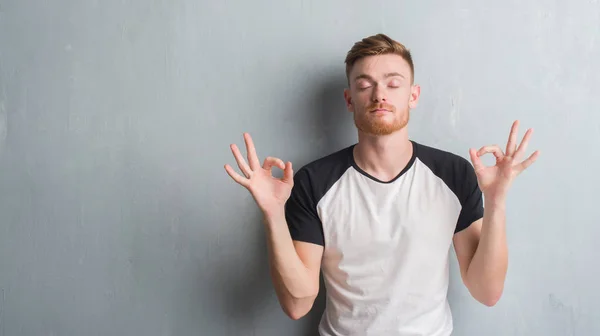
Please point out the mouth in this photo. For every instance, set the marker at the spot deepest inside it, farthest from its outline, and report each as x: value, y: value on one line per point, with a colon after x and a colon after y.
x: 380, y: 110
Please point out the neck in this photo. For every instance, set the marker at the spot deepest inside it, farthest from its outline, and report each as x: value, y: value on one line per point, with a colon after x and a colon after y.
x: 383, y: 157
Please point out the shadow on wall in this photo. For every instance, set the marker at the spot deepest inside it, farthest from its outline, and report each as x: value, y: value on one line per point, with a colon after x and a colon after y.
x: 337, y: 124
x: 237, y: 291
x: 246, y: 295
x: 328, y: 122
x: 246, y: 288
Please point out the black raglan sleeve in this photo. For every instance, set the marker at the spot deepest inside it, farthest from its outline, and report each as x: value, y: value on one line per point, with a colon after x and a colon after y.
x: 301, y: 211
x: 470, y: 195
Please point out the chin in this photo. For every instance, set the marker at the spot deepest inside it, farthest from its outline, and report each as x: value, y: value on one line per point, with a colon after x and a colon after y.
x: 379, y: 126
x: 380, y: 129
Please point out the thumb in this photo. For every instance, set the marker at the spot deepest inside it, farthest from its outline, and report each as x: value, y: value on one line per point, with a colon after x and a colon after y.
x: 288, y: 173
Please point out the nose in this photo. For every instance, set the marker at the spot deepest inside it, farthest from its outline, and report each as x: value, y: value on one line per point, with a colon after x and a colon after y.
x: 379, y: 94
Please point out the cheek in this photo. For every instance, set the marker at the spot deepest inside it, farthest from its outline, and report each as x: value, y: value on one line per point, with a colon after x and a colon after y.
x: 402, y: 96
x: 361, y: 99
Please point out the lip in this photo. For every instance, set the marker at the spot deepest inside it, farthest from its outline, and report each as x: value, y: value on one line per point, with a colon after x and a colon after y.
x: 379, y: 111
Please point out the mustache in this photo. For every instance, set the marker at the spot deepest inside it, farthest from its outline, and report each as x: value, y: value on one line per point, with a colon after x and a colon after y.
x: 384, y: 106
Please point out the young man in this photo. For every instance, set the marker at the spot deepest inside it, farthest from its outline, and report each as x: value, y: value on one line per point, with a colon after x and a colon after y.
x: 379, y: 217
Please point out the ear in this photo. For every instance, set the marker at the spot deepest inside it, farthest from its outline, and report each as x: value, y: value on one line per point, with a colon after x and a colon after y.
x: 415, y: 92
x: 348, y: 99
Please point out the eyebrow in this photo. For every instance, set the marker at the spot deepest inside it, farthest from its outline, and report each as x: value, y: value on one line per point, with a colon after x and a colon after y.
x: 387, y: 75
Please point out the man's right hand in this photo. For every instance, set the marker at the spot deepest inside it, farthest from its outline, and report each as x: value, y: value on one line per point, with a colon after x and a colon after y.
x: 269, y: 192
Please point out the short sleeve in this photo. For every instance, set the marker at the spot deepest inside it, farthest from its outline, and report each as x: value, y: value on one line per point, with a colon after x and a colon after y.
x: 470, y: 195
x: 301, y: 211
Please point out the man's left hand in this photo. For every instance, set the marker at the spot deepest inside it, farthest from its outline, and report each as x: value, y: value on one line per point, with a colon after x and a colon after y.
x: 495, y: 181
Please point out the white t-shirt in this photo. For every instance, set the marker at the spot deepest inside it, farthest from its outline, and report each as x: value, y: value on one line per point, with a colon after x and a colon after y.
x: 386, y: 244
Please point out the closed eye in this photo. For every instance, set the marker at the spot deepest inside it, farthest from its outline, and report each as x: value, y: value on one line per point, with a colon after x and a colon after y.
x: 364, y: 85
x: 394, y: 84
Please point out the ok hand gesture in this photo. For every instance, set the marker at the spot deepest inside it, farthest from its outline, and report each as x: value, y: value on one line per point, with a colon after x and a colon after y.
x: 269, y: 192
x: 495, y: 181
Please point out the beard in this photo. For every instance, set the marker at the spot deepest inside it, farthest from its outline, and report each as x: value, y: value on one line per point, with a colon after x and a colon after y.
x: 373, y: 124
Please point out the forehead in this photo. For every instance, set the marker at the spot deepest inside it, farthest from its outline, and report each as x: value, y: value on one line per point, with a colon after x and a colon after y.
x: 380, y: 65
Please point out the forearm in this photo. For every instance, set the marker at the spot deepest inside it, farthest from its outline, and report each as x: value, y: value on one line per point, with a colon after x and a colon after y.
x: 487, y: 271
x: 294, y: 284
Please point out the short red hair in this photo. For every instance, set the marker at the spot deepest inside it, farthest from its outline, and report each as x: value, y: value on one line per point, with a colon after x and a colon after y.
x: 379, y: 44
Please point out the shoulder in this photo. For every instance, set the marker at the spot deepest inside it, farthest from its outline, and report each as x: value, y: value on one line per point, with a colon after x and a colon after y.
x: 456, y: 171
x: 311, y: 183
x: 327, y: 168
x: 439, y: 159
x: 450, y: 167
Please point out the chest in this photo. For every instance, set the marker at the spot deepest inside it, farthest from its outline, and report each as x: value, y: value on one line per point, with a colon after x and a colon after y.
x: 362, y: 217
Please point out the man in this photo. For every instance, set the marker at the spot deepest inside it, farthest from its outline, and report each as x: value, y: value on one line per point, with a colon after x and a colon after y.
x: 379, y: 217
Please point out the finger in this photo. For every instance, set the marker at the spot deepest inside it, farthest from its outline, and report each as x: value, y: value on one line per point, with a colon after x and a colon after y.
x: 240, y: 161
x: 495, y: 149
x: 252, y: 157
x: 271, y: 161
x: 477, y: 164
x: 511, y: 146
x: 288, y: 173
x: 530, y: 160
x: 236, y: 177
x: 523, y: 146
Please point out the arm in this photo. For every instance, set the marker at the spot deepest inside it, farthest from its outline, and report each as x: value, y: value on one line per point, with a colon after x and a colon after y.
x: 482, y: 255
x: 294, y: 266
x: 481, y: 249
